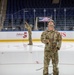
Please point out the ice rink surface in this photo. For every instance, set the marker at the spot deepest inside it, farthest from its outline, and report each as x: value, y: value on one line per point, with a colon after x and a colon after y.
x: 18, y: 58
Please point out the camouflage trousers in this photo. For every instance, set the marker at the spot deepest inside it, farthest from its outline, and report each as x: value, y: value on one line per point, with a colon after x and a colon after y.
x: 50, y: 56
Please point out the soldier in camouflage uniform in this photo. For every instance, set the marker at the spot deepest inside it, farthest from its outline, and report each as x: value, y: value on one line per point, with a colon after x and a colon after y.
x: 52, y: 40
x: 28, y: 27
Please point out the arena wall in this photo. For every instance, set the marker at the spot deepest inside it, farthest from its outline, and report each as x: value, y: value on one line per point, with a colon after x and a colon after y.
x: 23, y: 36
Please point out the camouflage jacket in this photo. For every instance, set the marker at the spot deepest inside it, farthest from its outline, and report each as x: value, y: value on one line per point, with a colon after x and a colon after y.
x: 54, y: 38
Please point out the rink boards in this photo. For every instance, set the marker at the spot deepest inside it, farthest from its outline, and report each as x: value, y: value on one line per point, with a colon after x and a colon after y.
x: 15, y: 36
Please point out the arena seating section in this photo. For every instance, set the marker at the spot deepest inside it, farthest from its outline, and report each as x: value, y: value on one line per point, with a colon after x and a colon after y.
x: 20, y: 10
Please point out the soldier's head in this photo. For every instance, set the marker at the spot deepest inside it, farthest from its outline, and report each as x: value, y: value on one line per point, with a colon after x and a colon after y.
x: 51, y: 25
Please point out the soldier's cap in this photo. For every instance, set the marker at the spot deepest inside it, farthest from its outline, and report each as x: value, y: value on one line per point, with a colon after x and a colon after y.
x: 51, y: 21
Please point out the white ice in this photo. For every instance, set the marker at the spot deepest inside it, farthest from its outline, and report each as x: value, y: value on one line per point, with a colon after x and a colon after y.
x: 18, y: 58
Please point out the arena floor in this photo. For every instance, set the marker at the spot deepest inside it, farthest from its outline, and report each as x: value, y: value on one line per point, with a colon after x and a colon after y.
x: 18, y: 58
